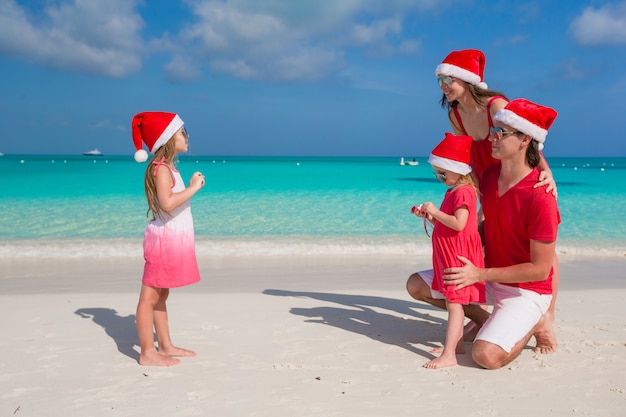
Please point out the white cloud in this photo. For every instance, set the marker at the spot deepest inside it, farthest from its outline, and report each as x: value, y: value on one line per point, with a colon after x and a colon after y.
x: 236, y: 67
x: 294, y: 40
x: 181, y: 69
x: 270, y: 39
x: 572, y: 70
x: 98, y: 37
x: 377, y: 31
x: 604, y: 26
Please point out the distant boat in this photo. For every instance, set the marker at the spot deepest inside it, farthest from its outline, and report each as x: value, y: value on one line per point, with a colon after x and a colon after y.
x: 93, y: 152
x: 411, y: 163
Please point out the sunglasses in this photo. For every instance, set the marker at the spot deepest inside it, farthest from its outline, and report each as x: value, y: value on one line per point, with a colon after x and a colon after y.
x: 446, y: 79
x: 441, y: 176
x: 497, y: 133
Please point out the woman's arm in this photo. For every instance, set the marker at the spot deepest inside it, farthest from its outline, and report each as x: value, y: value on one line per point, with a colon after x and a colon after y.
x: 545, y: 177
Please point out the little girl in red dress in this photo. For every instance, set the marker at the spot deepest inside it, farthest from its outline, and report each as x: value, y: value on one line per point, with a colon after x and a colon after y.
x: 455, y: 233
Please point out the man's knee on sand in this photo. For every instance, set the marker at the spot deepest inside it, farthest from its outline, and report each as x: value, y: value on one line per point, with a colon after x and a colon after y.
x: 488, y: 355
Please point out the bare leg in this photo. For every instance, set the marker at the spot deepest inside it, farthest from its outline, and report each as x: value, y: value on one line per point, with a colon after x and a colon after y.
x: 454, y: 336
x: 162, y: 328
x: 544, y: 333
x: 419, y: 289
x: 149, y: 356
x: 471, y: 329
x: 492, y: 356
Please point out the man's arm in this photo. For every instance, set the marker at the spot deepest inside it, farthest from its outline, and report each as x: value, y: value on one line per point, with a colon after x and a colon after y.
x: 538, y: 269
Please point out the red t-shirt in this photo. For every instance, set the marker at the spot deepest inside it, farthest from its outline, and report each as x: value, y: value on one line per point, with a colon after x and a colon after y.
x: 515, y: 218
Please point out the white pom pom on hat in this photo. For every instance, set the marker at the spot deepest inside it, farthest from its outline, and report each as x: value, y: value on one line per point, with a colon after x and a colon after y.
x: 467, y: 65
x: 527, y: 117
x: 141, y: 156
x: 453, y: 154
x: 154, y: 129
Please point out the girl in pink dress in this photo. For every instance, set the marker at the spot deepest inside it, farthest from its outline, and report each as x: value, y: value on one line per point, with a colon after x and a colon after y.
x: 455, y: 233
x: 169, y: 247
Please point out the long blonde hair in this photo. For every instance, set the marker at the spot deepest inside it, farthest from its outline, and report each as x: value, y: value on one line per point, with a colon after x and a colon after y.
x: 167, y: 151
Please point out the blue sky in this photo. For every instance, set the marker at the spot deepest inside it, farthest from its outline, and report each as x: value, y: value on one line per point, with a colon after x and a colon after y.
x: 306, y: 77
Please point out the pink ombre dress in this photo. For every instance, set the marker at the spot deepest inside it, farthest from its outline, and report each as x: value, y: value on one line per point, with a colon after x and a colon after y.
x: 169, y: 245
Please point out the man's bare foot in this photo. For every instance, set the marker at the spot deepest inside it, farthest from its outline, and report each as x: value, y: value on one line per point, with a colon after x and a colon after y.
x: 178, y: 352
x: 441, y: 362
x: 154, y: 358
x: 545, y: 335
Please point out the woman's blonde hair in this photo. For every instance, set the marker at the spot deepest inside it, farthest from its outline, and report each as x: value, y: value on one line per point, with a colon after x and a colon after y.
x: 170, y: 156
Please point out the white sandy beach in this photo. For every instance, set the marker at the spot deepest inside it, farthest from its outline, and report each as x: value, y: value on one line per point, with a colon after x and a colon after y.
x: 292, y: 336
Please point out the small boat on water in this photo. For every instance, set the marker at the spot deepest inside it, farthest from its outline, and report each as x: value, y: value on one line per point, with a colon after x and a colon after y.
x: 411, y: 163
x: 93, y: 152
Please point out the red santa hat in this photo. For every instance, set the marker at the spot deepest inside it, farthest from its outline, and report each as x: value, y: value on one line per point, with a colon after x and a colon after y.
x: 467, y: 65
x: 453, y: 154
x: 154, y: 129
x: 527, y: 117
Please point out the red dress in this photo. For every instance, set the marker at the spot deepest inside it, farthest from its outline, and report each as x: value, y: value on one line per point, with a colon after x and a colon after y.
x: 448, y: 243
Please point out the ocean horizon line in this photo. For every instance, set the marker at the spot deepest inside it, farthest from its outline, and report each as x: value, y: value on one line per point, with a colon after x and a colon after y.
x: 129, y: 155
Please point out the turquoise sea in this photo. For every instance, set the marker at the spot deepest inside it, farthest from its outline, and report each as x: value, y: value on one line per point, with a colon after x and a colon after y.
x: 78, y: 206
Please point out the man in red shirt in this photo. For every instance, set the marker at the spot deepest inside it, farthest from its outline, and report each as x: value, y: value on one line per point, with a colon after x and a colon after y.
x: 520, y: 232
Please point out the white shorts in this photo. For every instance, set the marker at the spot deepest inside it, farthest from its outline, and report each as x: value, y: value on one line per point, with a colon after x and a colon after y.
x: 428, y: 276
x: 515, y: 313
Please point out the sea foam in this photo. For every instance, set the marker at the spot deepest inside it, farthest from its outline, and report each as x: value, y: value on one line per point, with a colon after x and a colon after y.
x: 272, y: 246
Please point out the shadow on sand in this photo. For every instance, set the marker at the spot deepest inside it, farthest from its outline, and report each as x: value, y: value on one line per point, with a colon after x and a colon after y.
x: 121, y: 329
x: 363, y: 315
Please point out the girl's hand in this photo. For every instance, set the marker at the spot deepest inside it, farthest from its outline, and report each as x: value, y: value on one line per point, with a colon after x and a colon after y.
x: 429, y: 209
x: 417, y: 210
x: 420, y: 212
x: 197, y: 180
x: 546, y: 179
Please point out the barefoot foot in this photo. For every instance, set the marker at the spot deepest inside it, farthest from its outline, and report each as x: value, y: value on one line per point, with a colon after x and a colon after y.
x: 441, y: 362
x: 154, y: 358
x: 176, y: 351
x: 545, y: 335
